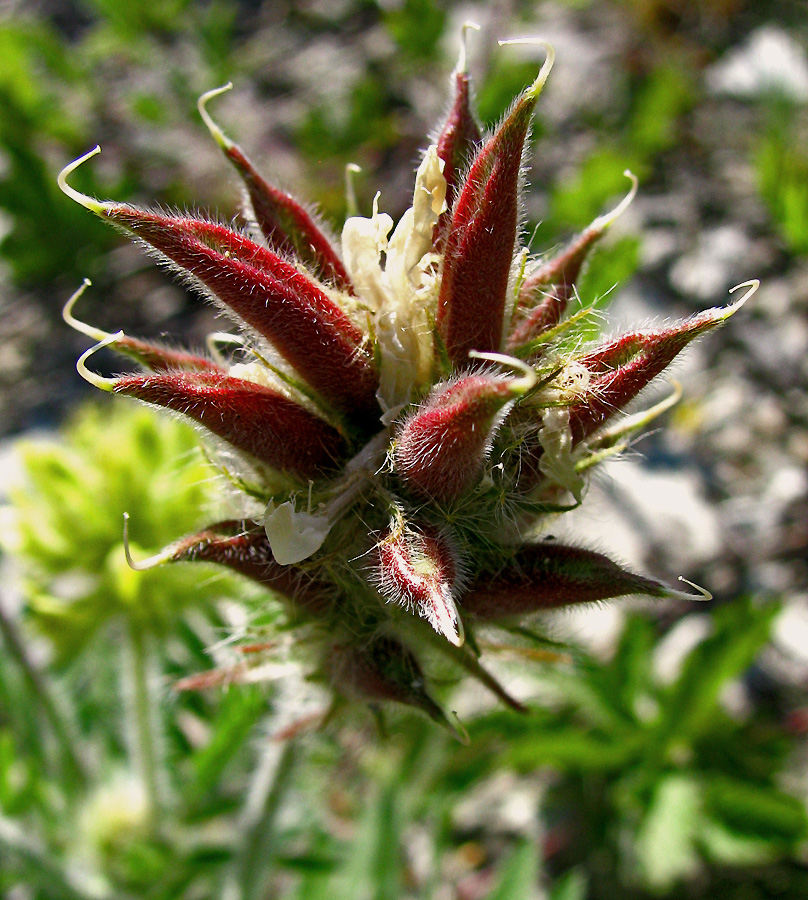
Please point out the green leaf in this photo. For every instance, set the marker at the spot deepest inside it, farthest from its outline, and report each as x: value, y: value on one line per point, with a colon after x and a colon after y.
x: 665, y: 846
x: 663, y: 97
x: 726, y: 847
x: 740, y: 632
x: 572, y: 748
x: 518, y: 876
x: 416, y: 26
x: 238, y: 713
x: 570, y: 886
x: 756, y: 811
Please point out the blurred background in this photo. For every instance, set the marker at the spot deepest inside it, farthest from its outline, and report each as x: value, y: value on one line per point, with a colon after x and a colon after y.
x: 666, y: 751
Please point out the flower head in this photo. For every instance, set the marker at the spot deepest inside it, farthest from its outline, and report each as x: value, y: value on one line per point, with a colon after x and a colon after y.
x: 401, y: 411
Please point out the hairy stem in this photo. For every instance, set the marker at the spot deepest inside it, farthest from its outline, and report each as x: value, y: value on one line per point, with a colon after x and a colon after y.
x: 143, y: 721
x: 39, y: 687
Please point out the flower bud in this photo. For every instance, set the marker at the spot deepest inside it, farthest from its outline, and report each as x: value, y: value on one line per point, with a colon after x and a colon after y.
x: 441, y: 448
x: 418, y: 570
x: 272, y: 296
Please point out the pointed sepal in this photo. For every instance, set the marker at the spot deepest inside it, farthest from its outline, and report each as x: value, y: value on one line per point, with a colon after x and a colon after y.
x: 621, y: 368
x: 242, y: 546
x: 253, y: 418
x: 152, y: 356
x: 267, y: 293
x: 546, y: 292
x: 460, y: 134
x: 381, y: 669
x: 549, y: 576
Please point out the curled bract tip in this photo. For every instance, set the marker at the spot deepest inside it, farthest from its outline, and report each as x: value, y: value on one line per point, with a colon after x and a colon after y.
x: 604, y: 221
x: 462, y: 58
x: 96, y: 206
x: 97, y: 334
x: 217, y: 339
x: 202, y: 105
x: 350, y: 188
x: 751, y: 287
x: 158, y: 559
x: 535, y: 89
x: 703, y: 594
x: 99, y: 381
x: 528, y: 375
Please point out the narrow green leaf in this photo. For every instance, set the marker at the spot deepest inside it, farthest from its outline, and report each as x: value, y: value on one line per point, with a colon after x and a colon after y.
x: 570, y: 886
x: 518, y: 877
x: 740, y: 632
x: 665, y: 843
x: 756, y: 811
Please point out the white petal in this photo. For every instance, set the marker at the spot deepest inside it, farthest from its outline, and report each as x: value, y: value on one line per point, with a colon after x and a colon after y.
x: 294, y: 536
x: 557, y: 461
x: 363, y: 241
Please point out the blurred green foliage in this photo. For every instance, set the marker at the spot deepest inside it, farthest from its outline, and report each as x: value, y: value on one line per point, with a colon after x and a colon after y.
x: 657, y: 785
x: 67, y: 522
x: 781, y: 165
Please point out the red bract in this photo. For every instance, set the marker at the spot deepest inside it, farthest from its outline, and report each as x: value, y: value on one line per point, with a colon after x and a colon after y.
x: 546, y: 292
x: 459, y: 137
x: 381, y: 670
x: 625, y: 366
x: 243, y: 547
x: 270, y: 295
x: 255, y: 419
x: 471, y: 305
x: 383, y: 460
x: 550, y: 575
x: 287, y: 226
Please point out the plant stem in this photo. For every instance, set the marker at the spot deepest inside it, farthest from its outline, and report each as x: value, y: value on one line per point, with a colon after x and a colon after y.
x: 42, y: 869
x: 263, y: 802
x: 40, y: 688
x: 143, y: 720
